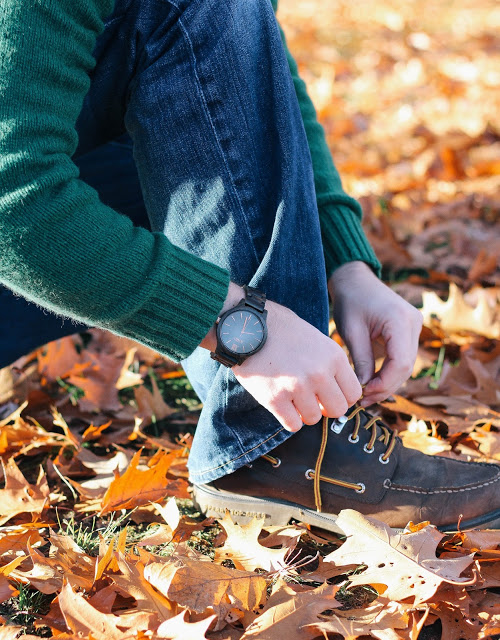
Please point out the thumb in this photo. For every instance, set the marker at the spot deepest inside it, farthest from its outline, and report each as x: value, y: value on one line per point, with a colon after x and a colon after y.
x: 360, y: 347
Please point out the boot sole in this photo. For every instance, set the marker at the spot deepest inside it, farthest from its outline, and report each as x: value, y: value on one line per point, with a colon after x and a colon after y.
x: 243, y: 509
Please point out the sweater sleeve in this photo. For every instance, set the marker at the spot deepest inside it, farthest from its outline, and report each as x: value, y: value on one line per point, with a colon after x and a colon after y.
x: 340, y: 215
x: 59, y: 245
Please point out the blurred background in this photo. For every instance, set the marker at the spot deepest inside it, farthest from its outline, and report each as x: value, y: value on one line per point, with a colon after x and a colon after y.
x: 408, y: 93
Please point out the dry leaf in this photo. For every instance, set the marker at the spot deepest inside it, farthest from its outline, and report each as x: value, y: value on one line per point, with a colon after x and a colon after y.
x: 244, y: 550
x: 136, y: 487
x: 19, y: 496
x: 288, y: 613
x: 201, y: 585
x: 381, y: 619
x: 405, y: 563
x: 178, y: 629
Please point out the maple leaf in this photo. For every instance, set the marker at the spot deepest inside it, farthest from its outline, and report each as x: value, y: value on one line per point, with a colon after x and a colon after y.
x: 19, y: 496
x: 287, y: 613
x: 406, y: 563
x: 243, y: 548
x: 200, y: 585
x: 136, y: 487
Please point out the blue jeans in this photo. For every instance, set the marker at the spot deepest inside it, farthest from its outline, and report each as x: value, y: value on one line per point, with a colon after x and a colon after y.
x: 191, y: 126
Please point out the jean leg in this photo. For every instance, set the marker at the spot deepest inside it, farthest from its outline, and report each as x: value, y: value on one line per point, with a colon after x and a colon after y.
x: 111, y: 170
x: 226, y: 174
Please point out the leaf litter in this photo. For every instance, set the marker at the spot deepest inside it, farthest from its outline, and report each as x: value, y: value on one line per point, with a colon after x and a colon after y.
x: 408, y: 95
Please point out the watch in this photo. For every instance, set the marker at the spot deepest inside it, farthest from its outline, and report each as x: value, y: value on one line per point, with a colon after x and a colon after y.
x: 241, y: 331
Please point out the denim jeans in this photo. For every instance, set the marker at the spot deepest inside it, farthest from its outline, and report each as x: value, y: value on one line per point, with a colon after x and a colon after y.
x: 191, y: 127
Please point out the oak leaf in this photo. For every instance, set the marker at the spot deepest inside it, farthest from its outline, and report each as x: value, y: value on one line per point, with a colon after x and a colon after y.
x: 456, y: 315
x: 380, y: 619
x: 19, y: 496
x: 134, y: 582
x: 137, y: 487
x: 287, y: 613
x: 198, y: 584
x: 84, y: 620
x: 6, y: 589
x: 66, y: 561
x: 243, y: 548
x: 178, y: 629
x: 405, y: 562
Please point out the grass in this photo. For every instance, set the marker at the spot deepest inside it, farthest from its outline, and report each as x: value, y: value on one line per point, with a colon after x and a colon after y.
x: 22, y: 610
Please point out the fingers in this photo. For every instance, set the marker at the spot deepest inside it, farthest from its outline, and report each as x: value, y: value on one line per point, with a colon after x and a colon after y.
x: 401, y: 350
x: 360, y: 347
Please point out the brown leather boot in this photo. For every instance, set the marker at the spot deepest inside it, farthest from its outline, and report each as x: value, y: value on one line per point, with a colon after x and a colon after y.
x: 356, y: 462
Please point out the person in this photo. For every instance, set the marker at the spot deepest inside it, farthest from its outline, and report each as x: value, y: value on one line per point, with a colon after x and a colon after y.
x: 192, y: 112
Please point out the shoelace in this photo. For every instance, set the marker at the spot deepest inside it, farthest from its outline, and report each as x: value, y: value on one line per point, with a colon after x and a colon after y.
x: 388, y: 437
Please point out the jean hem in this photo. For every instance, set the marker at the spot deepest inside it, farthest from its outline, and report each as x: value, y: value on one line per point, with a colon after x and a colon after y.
x: 247, y: 457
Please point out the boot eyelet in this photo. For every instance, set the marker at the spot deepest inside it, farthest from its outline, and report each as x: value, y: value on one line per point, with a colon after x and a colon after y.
x: 277, y: 463
x: 383, y: 460
x: 309, y: 474
x: 353, y: 440
x: 366, y: 449
x: 361, y: 489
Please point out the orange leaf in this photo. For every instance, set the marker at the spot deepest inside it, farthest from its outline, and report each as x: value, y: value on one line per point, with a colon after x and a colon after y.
x: 136, y: 487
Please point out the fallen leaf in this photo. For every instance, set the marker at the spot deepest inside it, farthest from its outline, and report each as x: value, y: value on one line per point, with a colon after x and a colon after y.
x: 287, y: 613
x: 406, y: 563
x: 381, y: 619
x: 136, y: 487
x: 243, y: 548
x: 201, y: 585
x: 19, y: 496
x: 178, y: 629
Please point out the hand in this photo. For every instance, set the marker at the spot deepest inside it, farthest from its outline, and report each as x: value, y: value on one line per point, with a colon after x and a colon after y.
x: 365, y: 310
x: 300, y: 374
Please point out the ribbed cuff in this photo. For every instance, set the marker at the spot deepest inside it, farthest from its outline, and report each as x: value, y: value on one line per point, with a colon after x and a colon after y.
x: 184, y: 305
x: 343, y: 238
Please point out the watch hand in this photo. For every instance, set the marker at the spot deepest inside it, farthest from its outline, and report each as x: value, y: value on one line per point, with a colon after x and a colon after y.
x: 244, y: 325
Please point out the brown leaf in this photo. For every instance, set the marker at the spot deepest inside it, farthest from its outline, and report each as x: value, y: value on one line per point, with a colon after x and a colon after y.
x: 380, y: 619
x: 151, y: 404
x: 288, y: 613
x: 19, y: 496
x: 6, y: 589
x: 83, y: 619
x: 199, y: 585
x: 456, y: 315
x: 178, y: 629
x: 244, y: 549
x: 405, y: 563
x: 66, y: 561
x: 134, y: 582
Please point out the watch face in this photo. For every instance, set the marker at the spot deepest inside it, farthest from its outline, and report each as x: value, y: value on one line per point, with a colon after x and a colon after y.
x: 241, y: 332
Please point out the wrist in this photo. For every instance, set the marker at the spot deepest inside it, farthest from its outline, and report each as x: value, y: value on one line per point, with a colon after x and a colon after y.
x: 347, y: 273
x: 234, y: 295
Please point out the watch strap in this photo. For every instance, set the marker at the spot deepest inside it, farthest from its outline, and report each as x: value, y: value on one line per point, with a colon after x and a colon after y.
x: 254, y: 298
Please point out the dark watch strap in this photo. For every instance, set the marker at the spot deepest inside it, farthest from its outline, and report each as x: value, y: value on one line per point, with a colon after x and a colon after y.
x: 254, y: 298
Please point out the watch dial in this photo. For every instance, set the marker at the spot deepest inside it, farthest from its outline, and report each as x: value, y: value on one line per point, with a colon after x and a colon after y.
x: 242, y: 332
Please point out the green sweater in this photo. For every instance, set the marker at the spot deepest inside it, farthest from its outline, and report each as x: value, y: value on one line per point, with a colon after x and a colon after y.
x: 55, y: 245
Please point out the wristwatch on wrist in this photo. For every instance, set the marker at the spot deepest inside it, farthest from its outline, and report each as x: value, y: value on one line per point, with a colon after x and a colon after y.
x: 241, y: 331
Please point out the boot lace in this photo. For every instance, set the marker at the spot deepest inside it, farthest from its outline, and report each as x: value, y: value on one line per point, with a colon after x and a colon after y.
x: 378, y: 432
